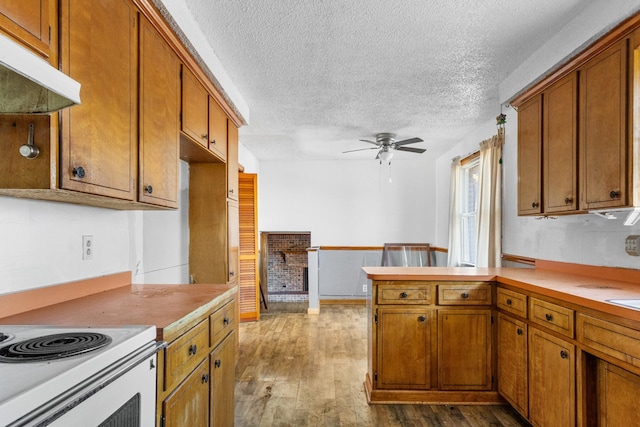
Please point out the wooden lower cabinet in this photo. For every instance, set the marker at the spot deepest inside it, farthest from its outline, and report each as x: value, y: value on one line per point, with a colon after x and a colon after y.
x: 552, y: 392
x: 404, y: 348
x: 464, y: 349
x: 196, y: 372
x: 618, y: 390
x: 512, y: 362
x: 188, y: 405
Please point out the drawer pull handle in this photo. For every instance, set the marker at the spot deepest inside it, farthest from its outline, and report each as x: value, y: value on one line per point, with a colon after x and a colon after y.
x: 225, y: 322
x: 519, y: 331
x: 465, y: 295
x: 422, y: 318
x: 548, y: 317
x: 403, y: 295
x: 564, y: 354
x: 193, y: 349
x: 509, y: 302
x: 217, y: 363
x: 205, y: 378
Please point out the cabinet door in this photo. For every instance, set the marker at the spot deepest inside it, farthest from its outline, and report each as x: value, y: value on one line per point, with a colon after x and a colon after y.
x: 195, y: 108
x: 223, y: 382
x: 188, y: 405
x: 159, y: 119
x: 464, y: 349
x: 617, y: 393
x: 29, y: 22
x: 551, y: 380
x: 560, y: 146
x: 512, y: 362
x: 529, y: 156
x: 404, y: 349
x: 603, y: 129
x: 232, y: 161
x: 233, y: 229
x: 217, y: 129
x: 100, y: 136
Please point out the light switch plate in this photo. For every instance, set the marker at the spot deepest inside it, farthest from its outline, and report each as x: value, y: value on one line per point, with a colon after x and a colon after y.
x: 632, y: 245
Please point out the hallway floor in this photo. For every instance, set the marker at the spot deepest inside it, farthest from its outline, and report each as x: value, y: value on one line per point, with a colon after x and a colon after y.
x: 296, y: 370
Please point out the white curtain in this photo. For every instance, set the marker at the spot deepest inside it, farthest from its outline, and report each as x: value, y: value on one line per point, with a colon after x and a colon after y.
x: 489, y: 241
x: 455, y: 238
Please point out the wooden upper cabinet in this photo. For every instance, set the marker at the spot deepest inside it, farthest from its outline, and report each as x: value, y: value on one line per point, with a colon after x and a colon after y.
x: 529, y: 156
x: 195, y: 103
x: 560, y: 146
x: 31, y: 22
x: 603, y: 130
x: 100, y: 136
x: 217, y: 129
x: 233, y: 240
x: 232, y: 161
x: 159, y: 119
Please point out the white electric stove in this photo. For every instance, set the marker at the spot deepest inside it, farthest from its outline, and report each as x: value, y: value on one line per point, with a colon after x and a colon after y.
x: 63, y: 376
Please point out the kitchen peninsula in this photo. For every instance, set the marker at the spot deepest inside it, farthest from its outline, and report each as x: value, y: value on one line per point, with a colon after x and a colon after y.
x: 195, y: 375
x: 560, y: 342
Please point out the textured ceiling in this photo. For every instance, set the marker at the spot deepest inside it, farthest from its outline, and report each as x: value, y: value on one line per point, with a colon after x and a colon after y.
x: 318, y: 75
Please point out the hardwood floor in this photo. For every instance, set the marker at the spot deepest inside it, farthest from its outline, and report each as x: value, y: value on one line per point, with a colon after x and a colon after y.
x: 296, y: 369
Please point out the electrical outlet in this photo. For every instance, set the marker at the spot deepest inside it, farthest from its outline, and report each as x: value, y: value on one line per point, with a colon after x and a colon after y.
x: 364, y: 288
x: 87, y: 247
x: 632, y: 245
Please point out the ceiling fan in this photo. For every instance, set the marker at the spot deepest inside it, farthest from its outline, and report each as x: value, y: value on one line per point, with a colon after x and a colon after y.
x: 386, y: 144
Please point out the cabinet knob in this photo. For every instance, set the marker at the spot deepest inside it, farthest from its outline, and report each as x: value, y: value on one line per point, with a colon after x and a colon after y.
x: 403, y: 295
x: 509, y: 302
x: 193, y: 349
x: 79, y: 172
x: 535, y: 204
x: 422, y: 318
x: 568, y: 200
x: 205, y: 378
x: 148, y: 189
x: 548, y: 317
x: 564, y: 354
x: 519, y: 331
x: 217, y: 363
x: 225, y: 322
x: 205, y: 136
x: 231, y: 191
x: 213, y: 141
x: 465, y: 295
x: 614, y: 194
x: 231, y: 274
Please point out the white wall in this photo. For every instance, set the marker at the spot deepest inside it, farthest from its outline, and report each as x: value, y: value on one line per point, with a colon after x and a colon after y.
x: 349, y: 202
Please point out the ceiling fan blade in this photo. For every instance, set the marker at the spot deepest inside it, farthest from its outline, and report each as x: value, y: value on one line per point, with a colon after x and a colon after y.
x: 411, y: 149
x: 408, y: 141
x: 360, y: 149
x: 370, y: 142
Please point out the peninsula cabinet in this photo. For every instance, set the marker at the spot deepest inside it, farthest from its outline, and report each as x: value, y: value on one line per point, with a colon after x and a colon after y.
x: 32, y: 23
x: 99, y: 146
x: 431, y: 342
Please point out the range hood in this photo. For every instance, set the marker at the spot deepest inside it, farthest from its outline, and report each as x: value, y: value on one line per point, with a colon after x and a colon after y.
x: 29, y: 84
x: 632, y: 214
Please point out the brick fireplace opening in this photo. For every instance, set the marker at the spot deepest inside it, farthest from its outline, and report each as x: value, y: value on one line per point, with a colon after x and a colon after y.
x: 285, y: 265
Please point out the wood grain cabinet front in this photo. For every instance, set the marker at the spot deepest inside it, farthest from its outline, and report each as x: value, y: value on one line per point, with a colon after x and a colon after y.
x: 185, y: 353
x: 32, y: 23
x: 222, y: 368
x: 513, y: 362
x: 552, y: 316
x: 188, y: 405
x: 464, y: 294
x: 512, y: 302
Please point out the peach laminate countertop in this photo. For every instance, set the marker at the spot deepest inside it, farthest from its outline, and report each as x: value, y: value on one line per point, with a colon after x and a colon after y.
x: 582, y: 285
x: 173, y: 309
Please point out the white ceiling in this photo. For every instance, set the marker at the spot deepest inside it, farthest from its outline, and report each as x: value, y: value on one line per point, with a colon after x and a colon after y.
x: 318, y: 75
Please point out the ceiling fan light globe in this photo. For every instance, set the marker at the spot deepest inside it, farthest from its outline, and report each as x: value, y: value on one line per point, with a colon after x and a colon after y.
x: 386, y: 156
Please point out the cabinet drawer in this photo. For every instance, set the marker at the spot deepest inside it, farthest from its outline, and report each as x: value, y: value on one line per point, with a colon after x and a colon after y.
x: 184, y: 354
x: 552, y: 316
x: 512, y: 302
x: 404, y: 294
x: 464, y: 294
x: 609, y: 338
x: 222, y: 322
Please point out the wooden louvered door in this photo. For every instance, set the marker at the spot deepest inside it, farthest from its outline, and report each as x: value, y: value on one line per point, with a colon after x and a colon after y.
x: 248, y: 209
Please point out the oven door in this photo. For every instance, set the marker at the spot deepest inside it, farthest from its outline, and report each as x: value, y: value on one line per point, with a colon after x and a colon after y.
x: 122, y: 395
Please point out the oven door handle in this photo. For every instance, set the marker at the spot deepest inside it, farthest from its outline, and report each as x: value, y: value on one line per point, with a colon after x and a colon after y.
x: 73, y: 397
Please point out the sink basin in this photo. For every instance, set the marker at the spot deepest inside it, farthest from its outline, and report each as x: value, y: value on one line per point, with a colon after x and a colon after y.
x: 632, y: 303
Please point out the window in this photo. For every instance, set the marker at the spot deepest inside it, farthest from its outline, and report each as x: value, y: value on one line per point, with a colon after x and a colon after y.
x: 470, y: 171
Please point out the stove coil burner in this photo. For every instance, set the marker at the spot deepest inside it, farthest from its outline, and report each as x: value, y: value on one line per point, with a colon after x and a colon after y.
x: 51, y: 347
